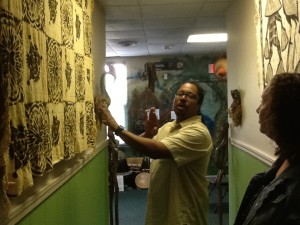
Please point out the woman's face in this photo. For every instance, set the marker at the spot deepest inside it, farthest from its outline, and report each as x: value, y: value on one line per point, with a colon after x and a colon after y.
x: 265, y: 113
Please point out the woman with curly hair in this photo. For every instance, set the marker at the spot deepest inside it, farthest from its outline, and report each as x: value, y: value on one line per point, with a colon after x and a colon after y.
x: 273, y: 197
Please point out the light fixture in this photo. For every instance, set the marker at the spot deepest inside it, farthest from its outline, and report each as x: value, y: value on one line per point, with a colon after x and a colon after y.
x: 217, y: 37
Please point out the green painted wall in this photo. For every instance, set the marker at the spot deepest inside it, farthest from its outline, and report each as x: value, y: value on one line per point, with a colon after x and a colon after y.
x: 242, y: 167
x: 83, y: 199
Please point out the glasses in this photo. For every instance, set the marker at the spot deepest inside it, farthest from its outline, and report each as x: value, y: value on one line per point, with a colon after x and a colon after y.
x: 188, y: 95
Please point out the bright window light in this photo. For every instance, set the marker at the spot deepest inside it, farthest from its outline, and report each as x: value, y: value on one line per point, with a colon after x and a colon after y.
x: 220, y: 37
x: 117, y: 91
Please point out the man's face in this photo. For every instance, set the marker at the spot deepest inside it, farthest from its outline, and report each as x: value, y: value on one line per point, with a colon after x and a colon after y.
x: 186, y: 102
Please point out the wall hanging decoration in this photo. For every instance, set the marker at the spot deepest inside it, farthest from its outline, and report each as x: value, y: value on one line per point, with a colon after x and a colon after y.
x: 278, y: 38
x: 235, y: 109
x: 46, y: 59
x: 150, y: 75
x: 103, y: 97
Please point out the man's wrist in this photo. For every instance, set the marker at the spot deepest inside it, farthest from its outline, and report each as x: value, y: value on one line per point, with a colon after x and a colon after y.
x: 118, y: 130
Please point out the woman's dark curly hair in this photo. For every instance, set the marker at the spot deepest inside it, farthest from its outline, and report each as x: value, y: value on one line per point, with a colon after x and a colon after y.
x: 285, y: 105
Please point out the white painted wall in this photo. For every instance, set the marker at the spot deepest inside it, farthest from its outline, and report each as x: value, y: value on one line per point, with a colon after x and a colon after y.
x: 98, y: 52
x: 243, y: 75
x: 98, y: 44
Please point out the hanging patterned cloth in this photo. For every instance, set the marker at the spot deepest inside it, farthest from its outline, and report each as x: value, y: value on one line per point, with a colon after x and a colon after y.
x: 46, y: 61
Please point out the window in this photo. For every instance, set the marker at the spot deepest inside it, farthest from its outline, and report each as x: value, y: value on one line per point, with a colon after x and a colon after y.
x: 117, y: 91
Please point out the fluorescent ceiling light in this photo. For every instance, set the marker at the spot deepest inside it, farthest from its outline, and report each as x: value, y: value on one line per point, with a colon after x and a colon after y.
x: 220, y: 37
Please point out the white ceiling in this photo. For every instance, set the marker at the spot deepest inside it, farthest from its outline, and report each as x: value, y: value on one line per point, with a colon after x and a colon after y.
x: 161, y: 27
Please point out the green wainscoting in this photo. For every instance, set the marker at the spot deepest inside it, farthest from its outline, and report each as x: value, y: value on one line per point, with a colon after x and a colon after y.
x: 82, y: 200
x: 242, y: 167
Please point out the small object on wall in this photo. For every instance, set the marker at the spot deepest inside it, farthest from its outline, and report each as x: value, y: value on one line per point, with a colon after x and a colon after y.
x: 150, y: 75
x: 211, y: 68
x: 98, y: 101
x: 235, y: 110
x: 220, y: 69
x: 103, y: 97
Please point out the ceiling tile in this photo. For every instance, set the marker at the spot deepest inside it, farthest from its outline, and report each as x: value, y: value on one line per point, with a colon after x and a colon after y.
x: 141, y: 47
x: 166, y: 40
x: 168, y: 23
x: 154, y: 24
x: 122, y: 13
x: 214, y: 8
x: 166, y: 33
x: 171, y: 11
x: 210, y: 21
x: 124, y: 34
x: 165, y: 2
x: 123, y: 25
x: 207, y: 30
x: 119, y: 2
x: 114, y: 42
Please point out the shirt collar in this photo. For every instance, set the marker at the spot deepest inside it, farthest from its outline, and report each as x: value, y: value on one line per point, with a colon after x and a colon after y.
x: 190, y: 120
